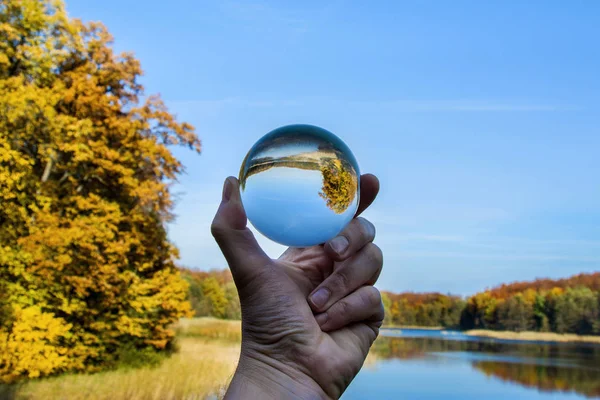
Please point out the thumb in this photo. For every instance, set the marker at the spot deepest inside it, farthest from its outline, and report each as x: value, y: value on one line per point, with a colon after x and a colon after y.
x: 243, y: 253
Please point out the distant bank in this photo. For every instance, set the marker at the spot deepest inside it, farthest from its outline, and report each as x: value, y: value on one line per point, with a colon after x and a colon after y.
x: 570, y: 306
x: 534, y: 336
x: 423, y: 328
x: 527, y: 336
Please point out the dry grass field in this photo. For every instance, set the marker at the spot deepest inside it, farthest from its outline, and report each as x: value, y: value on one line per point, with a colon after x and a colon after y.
x: 202, y: 368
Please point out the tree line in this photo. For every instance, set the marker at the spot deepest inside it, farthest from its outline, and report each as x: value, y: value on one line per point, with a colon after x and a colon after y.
x: 570, y: 305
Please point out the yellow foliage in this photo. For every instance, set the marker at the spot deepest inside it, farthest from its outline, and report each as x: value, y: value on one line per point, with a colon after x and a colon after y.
x: 85, y: 170
x: 340, y: 185
x: 35, y: 345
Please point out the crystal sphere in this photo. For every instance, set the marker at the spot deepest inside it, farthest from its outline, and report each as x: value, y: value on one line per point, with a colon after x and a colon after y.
x: 300, y: 185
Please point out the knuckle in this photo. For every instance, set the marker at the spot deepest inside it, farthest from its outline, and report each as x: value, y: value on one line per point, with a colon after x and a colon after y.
x: 373, y: 297
x: 217, y: 230
x: 374, y: 255
x: 343, y: 280
x: 342, y: 310
x: 366, y: 227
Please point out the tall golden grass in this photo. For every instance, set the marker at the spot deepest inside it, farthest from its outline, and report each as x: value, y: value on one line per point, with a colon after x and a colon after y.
x: 209, y: 328
x: 534, y: 336
x: 202, y: 368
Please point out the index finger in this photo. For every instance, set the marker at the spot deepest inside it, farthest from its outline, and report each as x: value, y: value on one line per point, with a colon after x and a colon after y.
x: 369, y: 187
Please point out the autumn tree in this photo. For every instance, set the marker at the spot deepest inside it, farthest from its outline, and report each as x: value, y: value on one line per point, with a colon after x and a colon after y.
x: 480, y: 312
x: 340, y: 185
x: 424, y: 309
x: 212, y: 293
x: 233, y: 308
x: 85, y: 170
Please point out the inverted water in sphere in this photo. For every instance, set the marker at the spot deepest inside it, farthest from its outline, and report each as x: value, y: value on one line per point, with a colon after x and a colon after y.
x: 300, y: 185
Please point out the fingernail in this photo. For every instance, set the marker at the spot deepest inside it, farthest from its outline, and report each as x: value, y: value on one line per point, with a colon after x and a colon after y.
x: 320, y: 297
x: 227, y: 189
x: 321, y: 319
x: 339, y: 244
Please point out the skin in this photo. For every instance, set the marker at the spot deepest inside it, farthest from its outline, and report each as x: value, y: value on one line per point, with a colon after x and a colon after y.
x: 309, y: 317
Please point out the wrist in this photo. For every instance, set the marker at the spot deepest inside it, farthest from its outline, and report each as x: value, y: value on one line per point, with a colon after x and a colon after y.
x: 261, y: 377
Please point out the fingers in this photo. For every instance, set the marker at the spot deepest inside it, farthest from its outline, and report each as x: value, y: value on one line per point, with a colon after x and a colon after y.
x: 357, y: 234
x: 237, y: 243
x: 359, y: 231
x: 362, y: 269
x: 369, y: 187
x: 363, y: 305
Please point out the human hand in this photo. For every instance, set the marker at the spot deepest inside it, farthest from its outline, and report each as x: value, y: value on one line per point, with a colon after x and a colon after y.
x: 309, y: 317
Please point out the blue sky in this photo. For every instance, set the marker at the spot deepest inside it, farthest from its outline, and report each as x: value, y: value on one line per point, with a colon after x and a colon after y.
x: 481, y: 119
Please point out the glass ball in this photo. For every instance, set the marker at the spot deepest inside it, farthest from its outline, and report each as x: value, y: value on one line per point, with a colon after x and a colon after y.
x: 300, y: 185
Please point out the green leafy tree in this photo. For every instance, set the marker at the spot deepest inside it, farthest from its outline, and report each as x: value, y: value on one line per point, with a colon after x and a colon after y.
x: 451, y: 318
x: 541, y: 320
x: 387, y: 306
x: 577, y: 311
x: 515, y: 314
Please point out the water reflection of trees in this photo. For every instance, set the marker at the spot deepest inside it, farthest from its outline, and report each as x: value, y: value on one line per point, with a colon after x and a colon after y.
x: 582, y: 377
x: 390, y: 348
x: 584, y: 381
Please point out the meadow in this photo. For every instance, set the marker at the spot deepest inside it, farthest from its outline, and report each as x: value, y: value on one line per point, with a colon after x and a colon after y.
x: 201, y: 368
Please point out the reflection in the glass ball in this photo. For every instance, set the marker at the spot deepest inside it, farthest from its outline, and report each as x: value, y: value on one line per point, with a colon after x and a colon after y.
x: 300, y: 185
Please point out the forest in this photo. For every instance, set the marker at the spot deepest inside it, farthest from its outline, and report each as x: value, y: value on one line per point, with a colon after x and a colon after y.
x: 570, y: 305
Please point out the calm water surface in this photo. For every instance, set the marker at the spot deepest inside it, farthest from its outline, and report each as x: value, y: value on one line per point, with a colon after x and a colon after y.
x: 420, y: 364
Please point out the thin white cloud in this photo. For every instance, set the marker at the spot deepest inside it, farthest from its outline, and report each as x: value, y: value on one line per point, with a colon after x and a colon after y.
x: 458, y: 105
x: 420, y: 237
x: 262, y: 16
x: 498, y: 256
x: 437, y: 213
x: 401, y: 105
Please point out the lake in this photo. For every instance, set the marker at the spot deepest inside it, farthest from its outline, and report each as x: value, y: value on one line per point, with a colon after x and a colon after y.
x: 425, y: 364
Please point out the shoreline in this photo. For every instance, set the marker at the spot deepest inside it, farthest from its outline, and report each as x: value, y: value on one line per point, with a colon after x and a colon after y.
x: 529, y: 336
x: 422, y: 328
